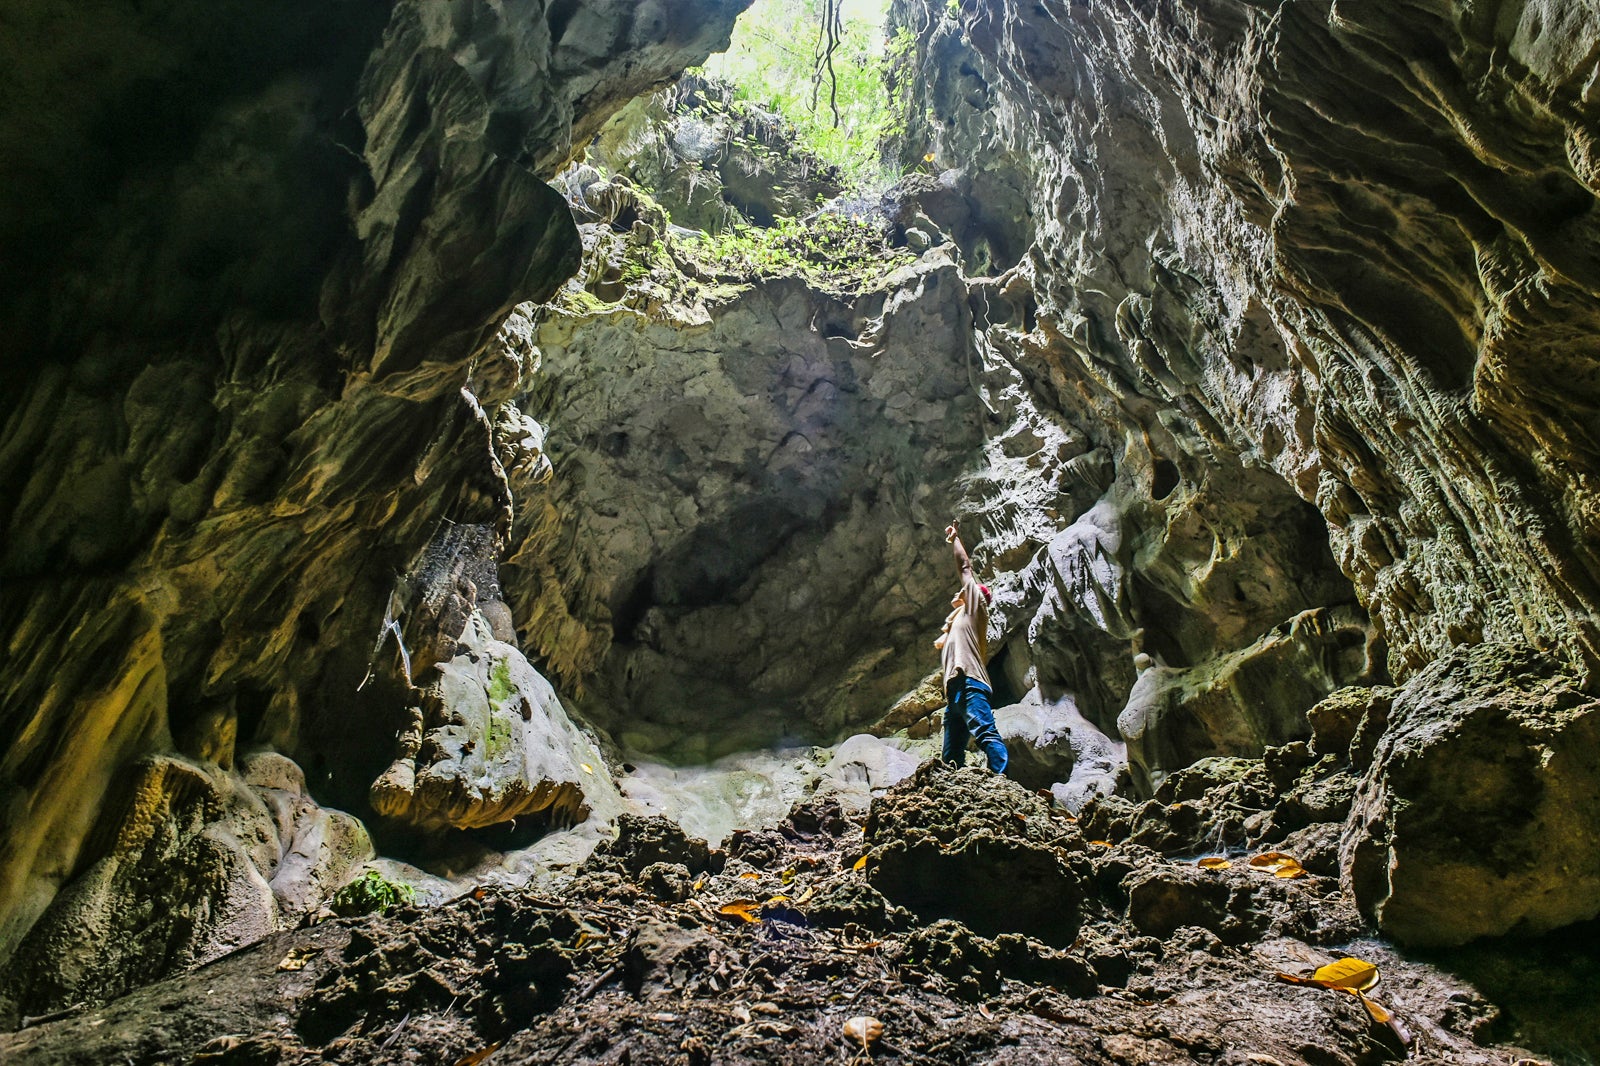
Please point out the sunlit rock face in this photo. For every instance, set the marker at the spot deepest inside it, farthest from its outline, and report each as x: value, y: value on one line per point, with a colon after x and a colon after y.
x: 1307, y: 257
x: 740, y: 543
x: 1350, y: 245
x: 253, y: 259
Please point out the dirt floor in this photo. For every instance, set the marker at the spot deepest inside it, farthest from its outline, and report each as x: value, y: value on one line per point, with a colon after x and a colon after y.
x: 968, y: 920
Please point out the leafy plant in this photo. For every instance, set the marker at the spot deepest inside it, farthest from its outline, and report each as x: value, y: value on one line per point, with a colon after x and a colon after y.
x: 771, y: 64
x: 835, y: 252
x: 371, y: 893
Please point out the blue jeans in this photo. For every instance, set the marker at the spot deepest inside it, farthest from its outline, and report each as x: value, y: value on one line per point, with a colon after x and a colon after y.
x: 969, y: 714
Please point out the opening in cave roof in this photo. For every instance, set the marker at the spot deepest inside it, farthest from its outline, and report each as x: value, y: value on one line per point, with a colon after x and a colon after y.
x: 839, y: 104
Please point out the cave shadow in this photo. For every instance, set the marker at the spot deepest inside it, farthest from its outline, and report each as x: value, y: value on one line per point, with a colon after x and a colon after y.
x: 1545, y: 987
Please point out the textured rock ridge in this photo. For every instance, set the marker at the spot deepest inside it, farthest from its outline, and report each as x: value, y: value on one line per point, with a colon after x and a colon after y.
x: 250, y: 306
x: 1341, y: 244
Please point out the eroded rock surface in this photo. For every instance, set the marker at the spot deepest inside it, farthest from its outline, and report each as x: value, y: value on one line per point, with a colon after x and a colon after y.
x: 1479, y: 813
x: 493, y: 744
x: 764, y: 952
x: 198, y: 863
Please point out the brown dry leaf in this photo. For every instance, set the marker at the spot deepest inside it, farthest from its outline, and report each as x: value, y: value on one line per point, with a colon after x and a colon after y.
x: 861, y: 863
x: 1268, y: 860
x: 863, y: 1030
x: 1351, y: 973
x: 1293, y: 980
x: 1213, y: 862
x: 1374, y: 1008
x: 478, y: 1056
x: 741, y: 908
x: 297, y: 959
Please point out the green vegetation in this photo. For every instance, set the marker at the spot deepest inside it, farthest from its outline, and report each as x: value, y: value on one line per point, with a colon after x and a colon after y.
x: 500, y: 684
x: 498, y: 742
x: 371, y: 893
x: 772, y: 62
x: 833, y: 252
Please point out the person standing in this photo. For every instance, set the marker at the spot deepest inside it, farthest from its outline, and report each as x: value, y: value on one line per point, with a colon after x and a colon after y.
x: 964, y: 653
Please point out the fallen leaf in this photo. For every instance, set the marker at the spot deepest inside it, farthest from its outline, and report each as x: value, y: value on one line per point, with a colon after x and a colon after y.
x: 766, y: 1008
x: 863, y: 1030
x: 1213, y: 862
x: 750, y: 875
x: 586, y: 768
x: 861, y: 863
x: 1271, y: 859
x: 297, y: 959
x: 1101, y: 843
x: 788, y: 875
x: 806, y: 895
x: 1376, y: 1010
x: 986, y: 1012
x: 741, y: 908
x: 478, y: 1056
x: 698, y: 885
x: 776, y: 899
x: 1351, y: 973
x: 1289, y: 869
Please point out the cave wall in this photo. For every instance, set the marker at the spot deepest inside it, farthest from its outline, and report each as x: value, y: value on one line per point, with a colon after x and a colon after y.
x: 1350, y: 245
x: 253, y: 259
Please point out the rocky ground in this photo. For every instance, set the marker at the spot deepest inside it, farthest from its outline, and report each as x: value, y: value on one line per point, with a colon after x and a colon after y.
x: 964, y: 920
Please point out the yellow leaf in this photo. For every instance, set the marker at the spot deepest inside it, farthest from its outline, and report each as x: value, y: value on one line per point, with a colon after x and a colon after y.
x: 861, y: 863
x: 1101, y: 843
x: 741, y: 908
x: 807, y: 894
x: 478, y: 1056
x: 928, y: 158
x: 1271, y: 859
x: 776, y: 899
x: 1213, y: 862
x: 698, y: 885
x: 586, y: 768
x: 297, y: 958
x: 788, y: 875
x: 1349, y: 973
x: 1289, y: 869
x: 750, y: 876
x: 1378, y: 1014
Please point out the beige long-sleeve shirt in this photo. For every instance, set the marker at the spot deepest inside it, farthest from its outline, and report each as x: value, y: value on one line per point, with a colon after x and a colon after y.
x: 965, y: 648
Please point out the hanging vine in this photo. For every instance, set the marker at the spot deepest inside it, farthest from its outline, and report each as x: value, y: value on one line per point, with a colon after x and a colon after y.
x: 828, y: 36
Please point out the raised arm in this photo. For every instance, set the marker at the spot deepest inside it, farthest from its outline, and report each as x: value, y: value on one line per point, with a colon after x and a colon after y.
x: 954, y: 540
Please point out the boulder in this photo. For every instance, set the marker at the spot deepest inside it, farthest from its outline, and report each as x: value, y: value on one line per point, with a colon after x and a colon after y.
x: 195, y: 862
x: 496, y: 746
x: 1053, y: 746
x: 1480, y: 813
x: 967, y: 845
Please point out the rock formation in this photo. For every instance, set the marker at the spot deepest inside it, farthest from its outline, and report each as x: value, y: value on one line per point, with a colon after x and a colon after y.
x: 1251, y: 343
x: 264, y: 255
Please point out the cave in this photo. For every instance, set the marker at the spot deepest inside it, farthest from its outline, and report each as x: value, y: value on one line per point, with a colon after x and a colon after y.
x: 484, y: 486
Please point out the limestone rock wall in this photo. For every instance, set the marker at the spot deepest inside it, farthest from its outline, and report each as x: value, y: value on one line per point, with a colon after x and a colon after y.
x: 255, y: 256
x: 1348, y: 246
x: 739, y: 544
